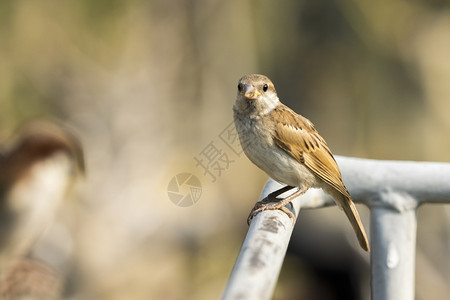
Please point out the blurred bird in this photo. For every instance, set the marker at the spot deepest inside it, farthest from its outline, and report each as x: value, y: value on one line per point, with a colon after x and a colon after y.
x: 289, y: 149
x: 36, y: 170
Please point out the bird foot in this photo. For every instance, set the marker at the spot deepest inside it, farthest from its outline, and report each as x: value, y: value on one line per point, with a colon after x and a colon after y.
x: 266, y: 204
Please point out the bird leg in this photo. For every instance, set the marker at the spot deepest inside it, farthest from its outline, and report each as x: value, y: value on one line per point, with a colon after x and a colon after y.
x: 272, y: 197
x: 279, y: 203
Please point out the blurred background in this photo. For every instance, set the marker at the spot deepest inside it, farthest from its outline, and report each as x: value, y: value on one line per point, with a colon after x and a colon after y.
x: 148, y: 86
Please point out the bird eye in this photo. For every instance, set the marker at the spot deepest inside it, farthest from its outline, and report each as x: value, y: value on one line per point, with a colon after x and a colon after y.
x: 240, y: 87
x: 265, y: 87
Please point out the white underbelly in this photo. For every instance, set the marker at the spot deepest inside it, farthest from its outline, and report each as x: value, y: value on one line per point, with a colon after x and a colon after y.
x: 277, y: 163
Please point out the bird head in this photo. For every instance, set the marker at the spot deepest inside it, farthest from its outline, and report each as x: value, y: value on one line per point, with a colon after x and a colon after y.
x: 256, y: 94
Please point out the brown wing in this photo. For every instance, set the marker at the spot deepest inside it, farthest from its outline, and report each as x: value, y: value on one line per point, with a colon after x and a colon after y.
x: 297, y: 136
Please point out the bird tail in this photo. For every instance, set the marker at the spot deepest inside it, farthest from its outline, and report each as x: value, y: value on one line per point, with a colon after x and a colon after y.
x: 352, y: 214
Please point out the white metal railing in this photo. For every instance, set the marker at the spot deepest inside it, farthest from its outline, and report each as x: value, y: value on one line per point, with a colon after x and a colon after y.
x: 393, y: 190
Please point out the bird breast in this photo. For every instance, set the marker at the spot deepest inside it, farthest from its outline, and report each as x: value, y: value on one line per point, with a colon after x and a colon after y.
x: 257, y: 143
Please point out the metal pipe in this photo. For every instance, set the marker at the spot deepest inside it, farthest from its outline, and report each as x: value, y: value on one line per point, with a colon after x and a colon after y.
x: 259, y: 262
x: 392, y: 190
x: 393, y: 241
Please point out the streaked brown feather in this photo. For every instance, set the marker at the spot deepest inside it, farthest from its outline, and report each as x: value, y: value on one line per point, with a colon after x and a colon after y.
x: 297, y: 136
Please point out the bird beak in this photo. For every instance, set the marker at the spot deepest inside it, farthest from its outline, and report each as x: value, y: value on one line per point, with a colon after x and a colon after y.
x: 250, y: 92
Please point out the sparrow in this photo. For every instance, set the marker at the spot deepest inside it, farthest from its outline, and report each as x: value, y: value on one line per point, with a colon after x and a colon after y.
x: 36, y: 171
x: 289, y: 149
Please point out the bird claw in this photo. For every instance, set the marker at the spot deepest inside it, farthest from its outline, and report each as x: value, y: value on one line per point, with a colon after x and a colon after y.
x: 264, y: 205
